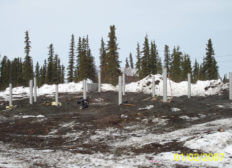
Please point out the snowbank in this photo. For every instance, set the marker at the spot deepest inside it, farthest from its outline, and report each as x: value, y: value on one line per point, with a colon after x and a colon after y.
x: 201, y: 88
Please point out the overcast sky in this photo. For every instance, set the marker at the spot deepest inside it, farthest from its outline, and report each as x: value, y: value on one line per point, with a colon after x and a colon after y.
x: 187, y: 23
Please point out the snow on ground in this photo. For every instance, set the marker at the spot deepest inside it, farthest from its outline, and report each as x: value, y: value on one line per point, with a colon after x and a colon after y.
x: 191, y: 132
x: 204, y: 137
x: 201, y: 88
x: 174, y: 109
x: 225, y: 105
x: 25, y: 158
x: 29, y: 116
x: 147, y: 107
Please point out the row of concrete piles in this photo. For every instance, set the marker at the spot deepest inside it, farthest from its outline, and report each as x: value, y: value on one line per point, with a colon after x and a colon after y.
x: 121, y: 88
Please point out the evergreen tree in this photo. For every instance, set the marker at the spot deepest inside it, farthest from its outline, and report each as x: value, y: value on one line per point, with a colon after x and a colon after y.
x: 16, y: 72
x: 86, y: 66
x: 9, y: 70
x: 196, y: 72
x: 59, y: 71
x: 62, y: 74
x: 44, y: 74
x: 159, y: 66
x: 145, y: 59
x: 210, y: 67
x: 131, y: 61
x: 167, y: 58
x: 83, y: 65
x: 28, y: 64
x: 201, y: 72
x: 103, y: 61
x: 55, y: 69
x: 50, y: 69
x: 186, y: 67
x: 37, y: 74
x: 79, y: 55
x: 4, y: 73
x: 175, y: 70
x: 127, y: 64
x: 225, y: 79
x: 71, y: 60
x: 91, y: 65
x: 112, y: 67
x: 152, y: 63
x: 138, y: 63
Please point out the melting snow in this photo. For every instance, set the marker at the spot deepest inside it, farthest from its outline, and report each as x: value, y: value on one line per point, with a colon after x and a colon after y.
x: 201, y: 88
x: 147, y: 107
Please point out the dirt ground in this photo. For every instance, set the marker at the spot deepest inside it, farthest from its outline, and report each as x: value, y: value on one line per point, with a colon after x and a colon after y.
x: 20, y: 130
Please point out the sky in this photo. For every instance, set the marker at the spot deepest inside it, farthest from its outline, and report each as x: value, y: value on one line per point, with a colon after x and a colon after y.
x: 185, y: 23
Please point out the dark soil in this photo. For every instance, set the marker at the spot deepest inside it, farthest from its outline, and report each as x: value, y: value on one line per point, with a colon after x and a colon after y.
x: 103, y: 112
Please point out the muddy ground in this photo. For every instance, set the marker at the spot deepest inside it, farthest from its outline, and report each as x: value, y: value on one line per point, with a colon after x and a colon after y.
x: 20, y: 130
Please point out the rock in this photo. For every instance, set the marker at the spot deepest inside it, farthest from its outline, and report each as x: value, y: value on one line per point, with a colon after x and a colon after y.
x: 221, y: 130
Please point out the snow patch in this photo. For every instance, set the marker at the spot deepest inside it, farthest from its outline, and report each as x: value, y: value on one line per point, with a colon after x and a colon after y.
x: 147, y: 107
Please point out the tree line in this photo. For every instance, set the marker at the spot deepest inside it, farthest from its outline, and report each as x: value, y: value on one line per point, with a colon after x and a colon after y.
x: 19, y: 72
x: 81, y: 64
x: 178, y: 64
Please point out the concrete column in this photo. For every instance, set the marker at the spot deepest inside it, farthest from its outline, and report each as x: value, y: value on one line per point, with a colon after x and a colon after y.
x: 99, y: 81
x: 123, y: 83
x: 57, y: 95
x: 153, y: 86
x: 10, y: 95
x: 230, y: 85
x: 164, y: 84
x: 84, y: 90
x: 189, y: 85
x: 31, y: 91
x: 35, y: 90
x: 119, y: 90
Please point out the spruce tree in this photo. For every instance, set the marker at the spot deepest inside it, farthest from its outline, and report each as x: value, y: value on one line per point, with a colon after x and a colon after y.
x: 131, y: 61
x: 62, y: 74
x: 186, y: 66
x: 9, y: 67
x: 55, y: 69
x: 83, y: 64
x: 27, y: 64
x: 50, y: 69
x: 86, y: 66
x: 71, y: 60
x: 167, y: 58
x: 152, y: 63
x: 103, y: 60
x: 127, y: 64
x: 159, y: 66
x: 202, y: 72
x: 145, y: 58
x: 37, y: 74
x: 4, y: 73
x: 112, y: 67
x: 59, y: 71
x: 138, y: 63
x: 44, y: 73
x: 225, y: 79
x: 175, y: 70
x: 91, y: 70
x: 210, y: 67
x: 79, y: 55
x: 16, y: 72
x: 196, y: 72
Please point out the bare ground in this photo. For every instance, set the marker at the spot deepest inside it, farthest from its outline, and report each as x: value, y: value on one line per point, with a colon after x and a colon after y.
x: 52, y: 130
